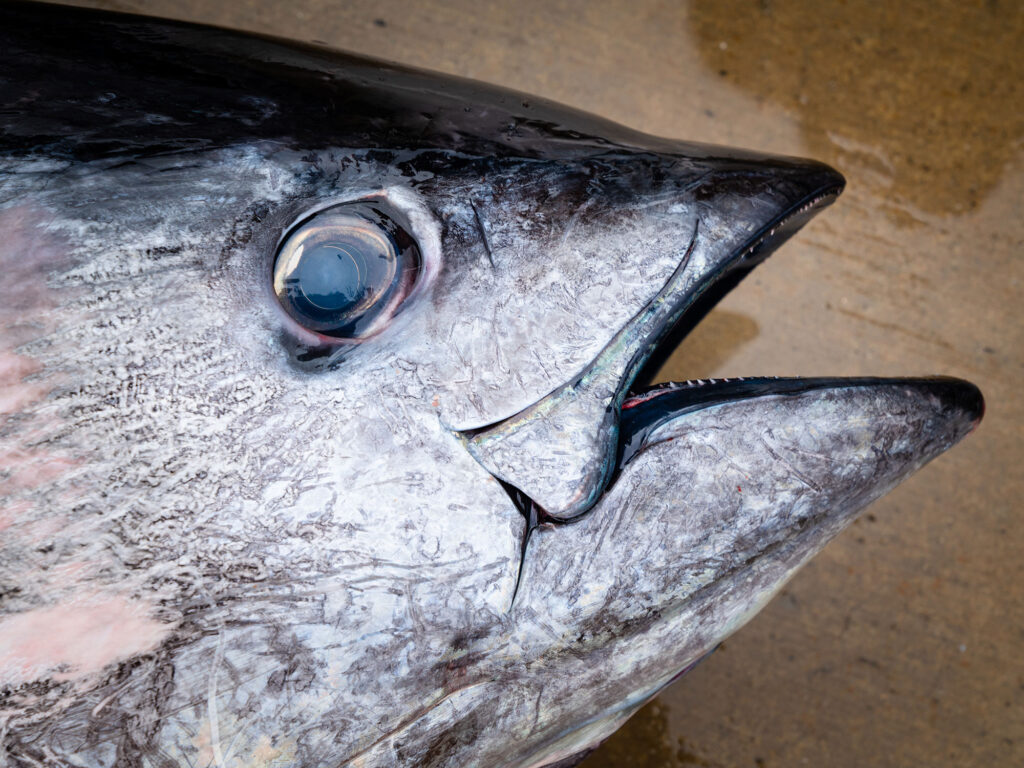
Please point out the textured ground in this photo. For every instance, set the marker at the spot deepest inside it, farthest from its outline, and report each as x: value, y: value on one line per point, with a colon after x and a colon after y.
x: 901, y: 643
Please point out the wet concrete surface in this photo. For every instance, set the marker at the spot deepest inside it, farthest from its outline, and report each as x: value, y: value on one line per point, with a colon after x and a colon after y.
x: 902, y: 643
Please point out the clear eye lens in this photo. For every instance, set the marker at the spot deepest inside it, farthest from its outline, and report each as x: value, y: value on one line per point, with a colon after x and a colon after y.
x: 345, y: 271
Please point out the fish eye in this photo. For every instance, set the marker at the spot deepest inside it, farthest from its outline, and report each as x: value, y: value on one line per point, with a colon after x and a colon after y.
x: 345, y: 271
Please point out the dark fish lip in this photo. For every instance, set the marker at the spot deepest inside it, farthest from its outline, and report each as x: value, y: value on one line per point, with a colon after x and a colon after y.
x: 644, y: 413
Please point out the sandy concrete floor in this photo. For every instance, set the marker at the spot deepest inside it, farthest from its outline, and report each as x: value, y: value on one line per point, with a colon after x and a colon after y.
x: 902, y: 643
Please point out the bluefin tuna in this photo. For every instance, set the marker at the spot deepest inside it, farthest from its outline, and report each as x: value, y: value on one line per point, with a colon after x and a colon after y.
x: 326, y: 429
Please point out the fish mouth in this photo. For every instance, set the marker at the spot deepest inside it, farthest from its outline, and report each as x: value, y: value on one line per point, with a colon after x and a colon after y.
x: 647, y: 406
x: 718, y: 284
x: 560, y: 456
x: 612, y: 413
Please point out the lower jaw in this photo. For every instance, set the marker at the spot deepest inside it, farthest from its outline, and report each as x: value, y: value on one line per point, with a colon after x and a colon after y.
x: 644, y: 412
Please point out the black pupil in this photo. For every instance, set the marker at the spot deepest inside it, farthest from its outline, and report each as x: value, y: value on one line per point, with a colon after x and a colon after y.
x: 332, y: 276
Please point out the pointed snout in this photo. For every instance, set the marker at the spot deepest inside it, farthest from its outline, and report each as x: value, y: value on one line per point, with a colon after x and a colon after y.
x: 751, y: 204
x: 789, y: 180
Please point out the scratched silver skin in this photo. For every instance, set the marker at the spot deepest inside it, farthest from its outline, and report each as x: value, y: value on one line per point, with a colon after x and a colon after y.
x: 218, y: 553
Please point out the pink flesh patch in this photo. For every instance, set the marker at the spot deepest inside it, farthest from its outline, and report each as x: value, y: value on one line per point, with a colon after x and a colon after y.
x: 15, y: 393
x: 30, y: 310
x: 74, y: 640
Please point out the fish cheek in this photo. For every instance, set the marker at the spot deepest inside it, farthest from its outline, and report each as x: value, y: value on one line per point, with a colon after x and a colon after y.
x: 538, y: 288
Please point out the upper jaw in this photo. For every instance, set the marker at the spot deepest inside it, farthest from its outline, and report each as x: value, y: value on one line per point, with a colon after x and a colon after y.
x: 560, y: 452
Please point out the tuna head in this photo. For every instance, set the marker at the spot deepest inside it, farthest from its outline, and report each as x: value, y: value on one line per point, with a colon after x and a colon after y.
x: 323, y: 435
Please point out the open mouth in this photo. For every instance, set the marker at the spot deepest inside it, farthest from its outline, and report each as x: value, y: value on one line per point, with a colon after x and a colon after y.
x: 590, y: 429
x: 646, y: 407
x: 586, y: 412
x: 560, y: 456
x: 717, y: 285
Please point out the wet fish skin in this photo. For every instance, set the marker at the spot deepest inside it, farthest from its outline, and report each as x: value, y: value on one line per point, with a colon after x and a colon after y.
x: 225, y: 545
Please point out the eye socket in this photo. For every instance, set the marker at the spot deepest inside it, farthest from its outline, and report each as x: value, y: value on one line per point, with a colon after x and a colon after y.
x: 345, y: 271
